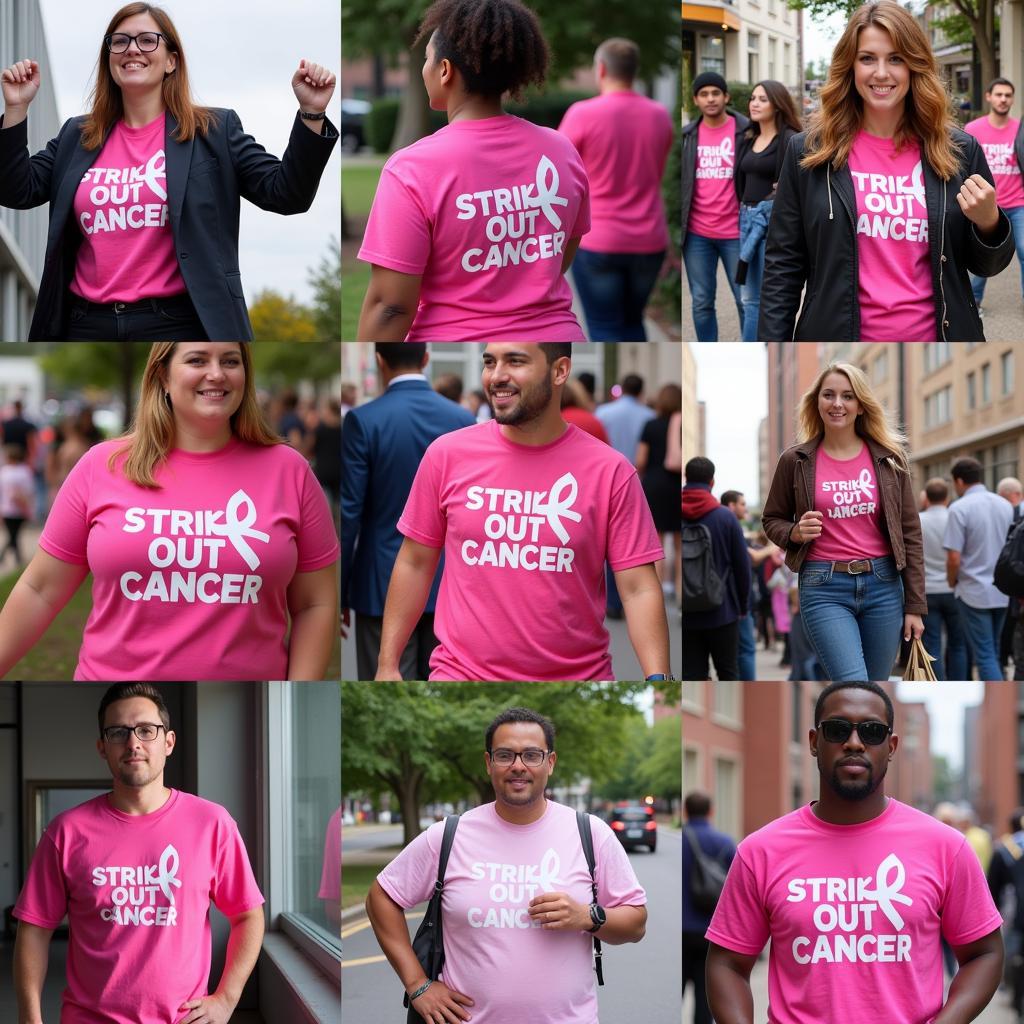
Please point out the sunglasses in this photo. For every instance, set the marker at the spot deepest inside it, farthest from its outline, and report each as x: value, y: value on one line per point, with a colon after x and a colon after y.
x: 838, y: 730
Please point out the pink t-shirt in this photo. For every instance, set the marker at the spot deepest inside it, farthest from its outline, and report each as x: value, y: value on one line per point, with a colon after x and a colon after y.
x: 190, y: 581
x: 895, y: 283
x: 526, y: 531
x: 846, y: 492
x: 330, y: 877
x: 136, y: 890
x: 483, y: 210
x: 127, y: 251
x: 854, y: 913
x: 1002, y: 160
x: 495, y: 868
x: 715, y: 210
x: 624, y: 139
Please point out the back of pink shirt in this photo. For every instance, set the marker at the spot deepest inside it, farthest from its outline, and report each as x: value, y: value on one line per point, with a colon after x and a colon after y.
x: 137, y: 890
x: 895, y: 277
x: 483, y: 210
x: 495, y: 868
x: 190, y: 581
x: 715, y: 210
x: 846, y: 492
x: 624, y: 139
x: 526, y: 531
x: 1002, y: 160
x: 127, y: 251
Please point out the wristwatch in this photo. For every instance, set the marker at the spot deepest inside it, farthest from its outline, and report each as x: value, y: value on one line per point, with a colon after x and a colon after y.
x: 659, y: 677
x: 312, y: 117
x: 598, y: 916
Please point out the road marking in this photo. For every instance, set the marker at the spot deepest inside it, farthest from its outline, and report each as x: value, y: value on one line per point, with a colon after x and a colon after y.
x: 359, y: 926
x: 363, y: 960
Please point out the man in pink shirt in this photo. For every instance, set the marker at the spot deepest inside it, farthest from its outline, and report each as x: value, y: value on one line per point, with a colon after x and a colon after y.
x: 527, y: 508
x: 135, y: 872
x: 624, y: 139
x: 518, y: 910
x: 855, y: 892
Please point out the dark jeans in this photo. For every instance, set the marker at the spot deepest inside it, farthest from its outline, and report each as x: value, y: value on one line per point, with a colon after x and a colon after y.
x: 700, y: 257
x: 942, y: 611
x: 695, y: 956
x: 983, y: 626
x: 170, y: 319
x: 719, y: 643
x: 14, y: 526
x: 414, y: 663
x: 747, y: 665
x: 614, y: 288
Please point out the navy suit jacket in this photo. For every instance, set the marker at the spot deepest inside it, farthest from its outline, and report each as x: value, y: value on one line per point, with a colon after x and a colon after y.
x: 382, y: 444
x: 206, y: 179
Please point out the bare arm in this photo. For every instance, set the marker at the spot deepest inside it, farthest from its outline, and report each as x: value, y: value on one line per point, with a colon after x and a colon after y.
x: 570, y: 253
x: 407, y: 597
x: 557, y: 911
x: 644, y: 605
x: 313, y: 605
x: 31, y: 952
x: 643, y: 453
x: 952, y: 567
x: 41, y: 592
x: 389, y: 305
x: 728, y: 984
x: 981, y: 968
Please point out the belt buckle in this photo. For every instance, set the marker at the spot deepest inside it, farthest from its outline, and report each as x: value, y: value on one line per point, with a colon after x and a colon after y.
x: 865, y: 563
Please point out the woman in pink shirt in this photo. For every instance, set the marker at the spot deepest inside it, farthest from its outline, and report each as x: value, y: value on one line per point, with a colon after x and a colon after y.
x: 473, y: 228
x: 883, y: 206
x: 144, y: 191
x: 842, y: 508
x: 210, y: 542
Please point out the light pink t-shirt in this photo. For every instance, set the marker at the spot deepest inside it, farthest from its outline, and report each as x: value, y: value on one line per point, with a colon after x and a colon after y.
x: 330, y: 877
x: 526, y: 531
x: 624, y: 139
x: 715, y: 210
x: 127, y: 251
x: 483, y: 210
x: 854, y: 913
x: 136, y: 890
x: 846, y: 491
x: 895, y: 283
x: 494, y: 869
x: 1002, y: 160
x: 190, y: 581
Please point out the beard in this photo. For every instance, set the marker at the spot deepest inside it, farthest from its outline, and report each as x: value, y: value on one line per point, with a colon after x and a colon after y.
x: 854, y: 791
x: 532, y: 402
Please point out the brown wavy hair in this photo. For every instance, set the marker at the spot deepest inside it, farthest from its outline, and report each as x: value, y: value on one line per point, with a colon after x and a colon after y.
x: 927, y: 116
x: 107, y: 105
x: 151, y: 434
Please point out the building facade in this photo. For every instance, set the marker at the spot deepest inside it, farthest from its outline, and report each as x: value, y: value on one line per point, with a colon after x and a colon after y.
x: 995, y: 768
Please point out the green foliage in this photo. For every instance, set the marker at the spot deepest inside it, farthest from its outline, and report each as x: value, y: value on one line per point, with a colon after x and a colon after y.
x: 547, y: 108
x: 326, y: 283
x: 739, y: 97
x: 277, y: 318
x: 819, y: 10
x: 660, y: 773
x: 670, y: 291
x: 956, y: 28
x: 382, y: 119
x: 278, y: 364
x: 101, y: 365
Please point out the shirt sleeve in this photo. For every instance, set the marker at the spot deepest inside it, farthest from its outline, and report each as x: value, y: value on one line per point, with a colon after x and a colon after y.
x: 44, y: 899
x: 617, y: 884
x: 66, y: 531
x: 234, y: 885
x: 423, y: 520
x: 398, y: 233
x: 968, y: 912
x: 632, y: 538
x: 317, y: 541
x: 582, y: 225
x: 740, y: 921
x: 572, y: 128
x: 953, y: 539
x: 409, y: 879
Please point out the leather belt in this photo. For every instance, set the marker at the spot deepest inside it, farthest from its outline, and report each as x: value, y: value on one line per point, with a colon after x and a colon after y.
x: 853, y: 568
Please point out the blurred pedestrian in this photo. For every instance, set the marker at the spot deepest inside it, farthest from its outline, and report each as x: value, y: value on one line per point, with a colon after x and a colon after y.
x: 449, y: 385
x: 476, y: 402
x: 17, y: 497
x: 736, y: 503
x: 779, y: 585
x: 1006, y: 878
x: 20, y: 431
x: 326, y: 451
x: 74, y: 436
x: 349, y: 398
x: 589, y: 383
x: 291, y: 426
x: 975, y: 533
x: 1011, y: 489
x: 574, y: 410
x: 624, y: 139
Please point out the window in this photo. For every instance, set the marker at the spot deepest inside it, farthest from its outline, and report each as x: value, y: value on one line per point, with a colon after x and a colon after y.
x: 773, y: 47
x: 712, y: 54
x: 936, y: 354
x: 727, y: 702
x: 972, y: 397
x: 880, y: 368
x: 691, y: 696
x: 986, y: 384
x: 787, y: 57
x: 691, y: 770
x: 1006, y: 368
x: 936, y: 408
x: 1004, y: 460
x: 726, y: 785
x: 753, y: 56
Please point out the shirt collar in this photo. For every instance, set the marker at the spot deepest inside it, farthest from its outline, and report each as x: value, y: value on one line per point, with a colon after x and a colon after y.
x: 407, y: 376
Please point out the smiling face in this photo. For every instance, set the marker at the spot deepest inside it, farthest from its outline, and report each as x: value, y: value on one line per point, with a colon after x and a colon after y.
x: 134, y: 762
x: 519, y: 381
x: 135, y: 70
x: 880, y: 74
x: 206, y: 383
x: 518, y: 785
x: 837, y: 403
x: 762, y: 109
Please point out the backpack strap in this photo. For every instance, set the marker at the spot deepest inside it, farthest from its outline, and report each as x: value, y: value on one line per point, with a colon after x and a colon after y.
x: 451, y: 823
x: 587, y: 841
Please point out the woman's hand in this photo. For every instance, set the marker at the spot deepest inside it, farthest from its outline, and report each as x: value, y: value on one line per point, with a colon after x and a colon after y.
x: 809, y: 527
x: 912, y: 624
x: 21, y: 82
x: 977, y: 198
x: 313, y: 86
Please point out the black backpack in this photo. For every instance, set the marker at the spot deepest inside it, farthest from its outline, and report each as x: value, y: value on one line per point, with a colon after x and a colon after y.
x: 707, y: 879
x: 703, y: 589
x: 1009, y: 572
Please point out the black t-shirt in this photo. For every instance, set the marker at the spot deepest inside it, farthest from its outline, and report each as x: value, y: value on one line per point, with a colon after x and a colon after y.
x: 759, y: 169
x: 17, y: 430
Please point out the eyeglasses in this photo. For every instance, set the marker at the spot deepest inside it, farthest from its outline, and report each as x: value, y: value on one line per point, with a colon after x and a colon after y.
x: 532, y: 758
x: 147, y: 42
x: 838, y: 730
x: 146, y: 731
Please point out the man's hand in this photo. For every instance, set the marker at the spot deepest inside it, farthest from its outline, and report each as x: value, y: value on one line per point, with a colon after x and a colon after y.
x: 441, y: 1004
x: 556, y: 911
x: 387, y: 675
x: 213, y: 1009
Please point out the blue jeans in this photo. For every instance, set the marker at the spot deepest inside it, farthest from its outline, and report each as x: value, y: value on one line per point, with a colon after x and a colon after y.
x: 701, y: 256
x: 855, y: 623
x: 983, y: 626
x: 750, y: 290
x: 942, y: 611
x: 1016, y: 218
x: 745, y: 655
x: 614, y: 288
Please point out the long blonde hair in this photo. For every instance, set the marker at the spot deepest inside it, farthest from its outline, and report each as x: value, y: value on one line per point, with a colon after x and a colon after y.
x: 873, y: 423
x: 107, y: 104
x: 151, y: 434
x: 927, y: 115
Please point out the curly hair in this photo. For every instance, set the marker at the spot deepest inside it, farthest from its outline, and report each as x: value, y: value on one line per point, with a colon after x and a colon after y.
x: 926, y: 114
x: 497, y: 45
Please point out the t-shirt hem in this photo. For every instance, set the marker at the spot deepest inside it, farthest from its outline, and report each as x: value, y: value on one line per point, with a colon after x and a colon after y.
x: 319, y: 563
x: 242, y: 908
x: 652, y: 555
x: 29, y: 918
x: 421, y: 538
x: 58, y: 552
x: 994, y: 922
x: 382, y: 260
x: 746, y: 948
x: 389, y: 888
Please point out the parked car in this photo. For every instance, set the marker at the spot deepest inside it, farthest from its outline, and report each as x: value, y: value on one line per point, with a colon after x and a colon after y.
x: 635, y: 826
x: 353, y: 117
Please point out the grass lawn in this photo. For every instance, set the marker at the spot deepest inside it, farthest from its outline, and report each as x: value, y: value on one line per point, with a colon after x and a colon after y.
x: 358, y: 185
x: 355, y: 278
x: 355, y: 883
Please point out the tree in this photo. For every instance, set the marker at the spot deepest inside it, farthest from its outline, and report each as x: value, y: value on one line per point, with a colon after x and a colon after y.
x: 279, y: 365
x: 661, y: 770
x: 276, y: 318
x: 108, y: 365
x: 326, y: 283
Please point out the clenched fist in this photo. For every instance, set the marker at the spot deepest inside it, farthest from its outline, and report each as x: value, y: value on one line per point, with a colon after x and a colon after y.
x: 809, y: 527
x: 21, y: 82
x: 313, y: 86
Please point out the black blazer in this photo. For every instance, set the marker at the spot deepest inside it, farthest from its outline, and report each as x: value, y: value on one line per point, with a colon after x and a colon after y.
x: 206, y: 178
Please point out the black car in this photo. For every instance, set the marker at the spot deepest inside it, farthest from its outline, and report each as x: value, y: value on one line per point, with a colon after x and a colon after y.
x: 353, y: 116
x: 635, y: 826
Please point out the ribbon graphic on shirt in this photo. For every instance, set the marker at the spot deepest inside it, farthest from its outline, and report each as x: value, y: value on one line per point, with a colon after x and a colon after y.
x: 155, y: 170
x: 130, y: 895
x: 547, y: 873
x: 559, y: 505
x: 851, y: 498
x: 547, y: 194
x: 888, y: 205
x: 167, y: 872
x: 118, y: 200
x: 236, y: 530
x: 503, y: 891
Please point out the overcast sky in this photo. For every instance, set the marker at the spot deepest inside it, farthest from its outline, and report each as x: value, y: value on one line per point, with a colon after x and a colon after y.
x: 240, y: 55
x: 946, y: 703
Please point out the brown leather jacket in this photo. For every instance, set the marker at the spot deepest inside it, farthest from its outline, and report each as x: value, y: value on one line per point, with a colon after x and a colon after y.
x: 790, y: 497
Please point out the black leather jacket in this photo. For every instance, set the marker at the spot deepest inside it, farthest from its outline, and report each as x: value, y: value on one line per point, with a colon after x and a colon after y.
x: 812, y: 241
x: 690, y: 158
